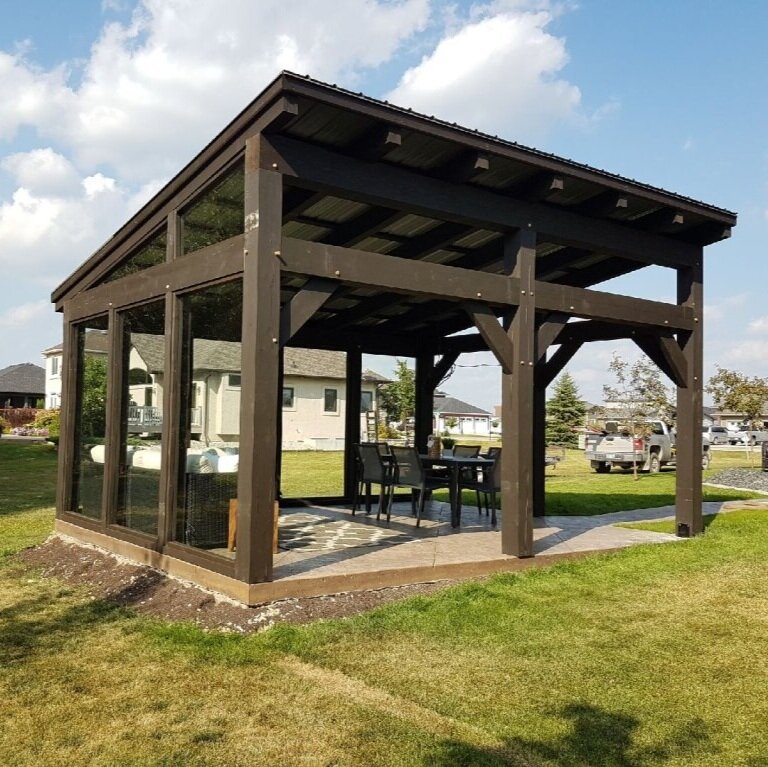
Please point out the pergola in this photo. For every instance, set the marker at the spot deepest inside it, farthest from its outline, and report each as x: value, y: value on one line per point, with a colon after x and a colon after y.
x: 372, y: 229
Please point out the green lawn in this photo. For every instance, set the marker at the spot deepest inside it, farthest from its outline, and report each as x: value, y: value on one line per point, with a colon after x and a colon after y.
x: 653, y: 656
x: 572, y: 487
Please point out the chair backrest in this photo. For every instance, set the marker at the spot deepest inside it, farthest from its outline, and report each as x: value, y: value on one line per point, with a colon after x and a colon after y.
x: 466, y: 451
x: 383, y: 448
x: 410, y: 472
x: 493, y: 452
x: 370, y: 459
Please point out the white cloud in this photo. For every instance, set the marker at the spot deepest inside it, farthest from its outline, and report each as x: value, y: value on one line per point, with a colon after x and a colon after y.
x: 760, y: 325
x: 18, y: 316
x: 498, y: 73
x: 44, y: 236
x: 42, y: 171
x: 724, y: 307
x: 158, y: 88
x: 753, y: 353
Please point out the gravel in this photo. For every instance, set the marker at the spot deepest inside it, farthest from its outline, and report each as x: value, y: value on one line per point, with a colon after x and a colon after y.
x: 747, y: 479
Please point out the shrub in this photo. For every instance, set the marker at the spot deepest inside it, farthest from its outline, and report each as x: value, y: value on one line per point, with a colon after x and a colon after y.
x: 48, y: 420
x: 5, y: 426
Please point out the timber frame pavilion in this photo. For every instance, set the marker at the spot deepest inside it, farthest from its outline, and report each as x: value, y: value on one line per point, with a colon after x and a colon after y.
x: 372, y: 229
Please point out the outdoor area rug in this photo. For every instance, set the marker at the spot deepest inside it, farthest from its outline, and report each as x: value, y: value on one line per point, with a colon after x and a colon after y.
x: 313, y: 532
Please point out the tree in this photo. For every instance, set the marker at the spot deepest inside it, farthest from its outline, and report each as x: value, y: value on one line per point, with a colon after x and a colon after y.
x: 399, y: 396
x: 738, y: 393
x: 93, y: 409
x: 565, y: 412
x: 639, y: 394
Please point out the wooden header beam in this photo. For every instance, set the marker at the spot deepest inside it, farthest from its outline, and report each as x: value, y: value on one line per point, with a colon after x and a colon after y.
x: 380, y: 184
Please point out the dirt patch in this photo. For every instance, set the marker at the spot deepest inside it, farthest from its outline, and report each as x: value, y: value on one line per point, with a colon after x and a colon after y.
x: 152, y: 593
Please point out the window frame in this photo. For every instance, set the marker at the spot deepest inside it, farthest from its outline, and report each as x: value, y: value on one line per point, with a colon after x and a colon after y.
x: 335, y: 390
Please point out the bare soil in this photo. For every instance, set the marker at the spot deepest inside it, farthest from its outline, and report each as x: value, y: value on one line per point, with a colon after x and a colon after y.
x: 152, y: 593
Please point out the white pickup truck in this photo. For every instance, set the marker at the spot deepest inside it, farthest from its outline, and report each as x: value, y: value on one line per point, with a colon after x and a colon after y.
x: 749, y: 437
x: 616, y: 446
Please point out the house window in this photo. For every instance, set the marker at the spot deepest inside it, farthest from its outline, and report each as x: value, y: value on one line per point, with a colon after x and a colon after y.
x: 233, y: 381
x: 366, y: 401
x: 288, y: 401
x: 54, y: 366
x: 331, y: 401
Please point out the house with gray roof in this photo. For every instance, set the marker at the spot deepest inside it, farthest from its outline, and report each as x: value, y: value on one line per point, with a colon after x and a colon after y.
x: 314, y: 391
x: 21, y: 385
x: 457, y: 417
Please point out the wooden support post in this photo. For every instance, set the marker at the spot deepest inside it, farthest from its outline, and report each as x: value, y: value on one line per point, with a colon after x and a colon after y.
x: 688, y: 515
x: 114, y: 453
x: 352, y: 421
x: 517, y: 402
x: 425, y: 390
x: 260, y: 366
x: 279, y: 426
x: 69, y: 365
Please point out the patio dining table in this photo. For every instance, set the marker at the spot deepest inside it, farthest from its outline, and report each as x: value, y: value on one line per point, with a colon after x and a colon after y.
x: 455, y: 464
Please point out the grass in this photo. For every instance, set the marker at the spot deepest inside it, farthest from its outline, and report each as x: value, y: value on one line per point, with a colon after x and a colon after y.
x: 652, y: 656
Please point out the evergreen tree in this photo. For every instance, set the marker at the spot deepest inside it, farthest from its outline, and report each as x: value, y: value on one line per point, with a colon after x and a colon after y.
x: 564, y: 412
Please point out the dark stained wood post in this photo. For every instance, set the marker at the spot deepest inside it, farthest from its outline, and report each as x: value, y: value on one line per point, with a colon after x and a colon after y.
x: 539, y: 444
x: 517, y: 395
x: 68, y: 411
x: 260, y: 367
x: 688, y: 498
x: 423, y: 406
x: 352, y: 420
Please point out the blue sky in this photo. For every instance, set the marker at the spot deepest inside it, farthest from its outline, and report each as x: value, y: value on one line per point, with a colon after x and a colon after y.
x: 104, y: 100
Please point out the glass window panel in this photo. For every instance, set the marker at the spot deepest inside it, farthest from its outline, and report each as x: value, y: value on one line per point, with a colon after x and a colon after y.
x: 141, y: 423
x: 90, y: 417
x: 331, y: 400
x: 288, y: 396
x: 217, y: 214
x: 366, y: 401
x: 151, y: 254
x: 210, y: 417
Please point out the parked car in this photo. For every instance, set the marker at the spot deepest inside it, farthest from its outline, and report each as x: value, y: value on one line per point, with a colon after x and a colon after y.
x: 715, y: 435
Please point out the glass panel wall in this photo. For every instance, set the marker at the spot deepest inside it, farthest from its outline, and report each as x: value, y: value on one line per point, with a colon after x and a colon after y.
x: 313, y: 423
x: 150, y: 254
x: 141, y: 417
x: 210, y: 418
x: 90, y: 417
x: 217, y: 214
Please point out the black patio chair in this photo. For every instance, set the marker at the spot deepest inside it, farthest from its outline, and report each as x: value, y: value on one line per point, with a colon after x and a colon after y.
x: 488, y: 482
x: 373, y: 469
x: 468, y: 474
x: 409, y: 472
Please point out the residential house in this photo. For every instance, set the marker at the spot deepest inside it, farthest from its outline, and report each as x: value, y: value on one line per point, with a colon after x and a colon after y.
x: 457, y: 417
x: 314, y: 391
x: 21, y: 385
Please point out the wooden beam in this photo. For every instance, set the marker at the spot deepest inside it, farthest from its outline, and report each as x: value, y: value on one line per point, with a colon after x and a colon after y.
x: 302, y: 307
x: 219, y: 261
x: 68, y: 415
x: 442, y: 366
x: 367, y: 224
x: 465, y: 167
x: 608, y: 203
x: 688, y: 496
x: 318, y: 168
x: 259, y: 399
x: 494, y: 335
x: 548, y: 331
x: 552, y: 367
x: 375, y: 144
x: 359, y: 267
x: 666, y: 220
x: 666, y: 354
x: 540, y: 186
x: 601, y: 305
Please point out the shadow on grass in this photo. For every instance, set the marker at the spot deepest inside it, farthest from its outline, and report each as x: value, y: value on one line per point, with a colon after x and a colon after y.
x: 40, y: 624
x: 596, y: 737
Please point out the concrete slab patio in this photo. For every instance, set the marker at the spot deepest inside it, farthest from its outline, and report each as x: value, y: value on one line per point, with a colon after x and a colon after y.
x: 322, y: 542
